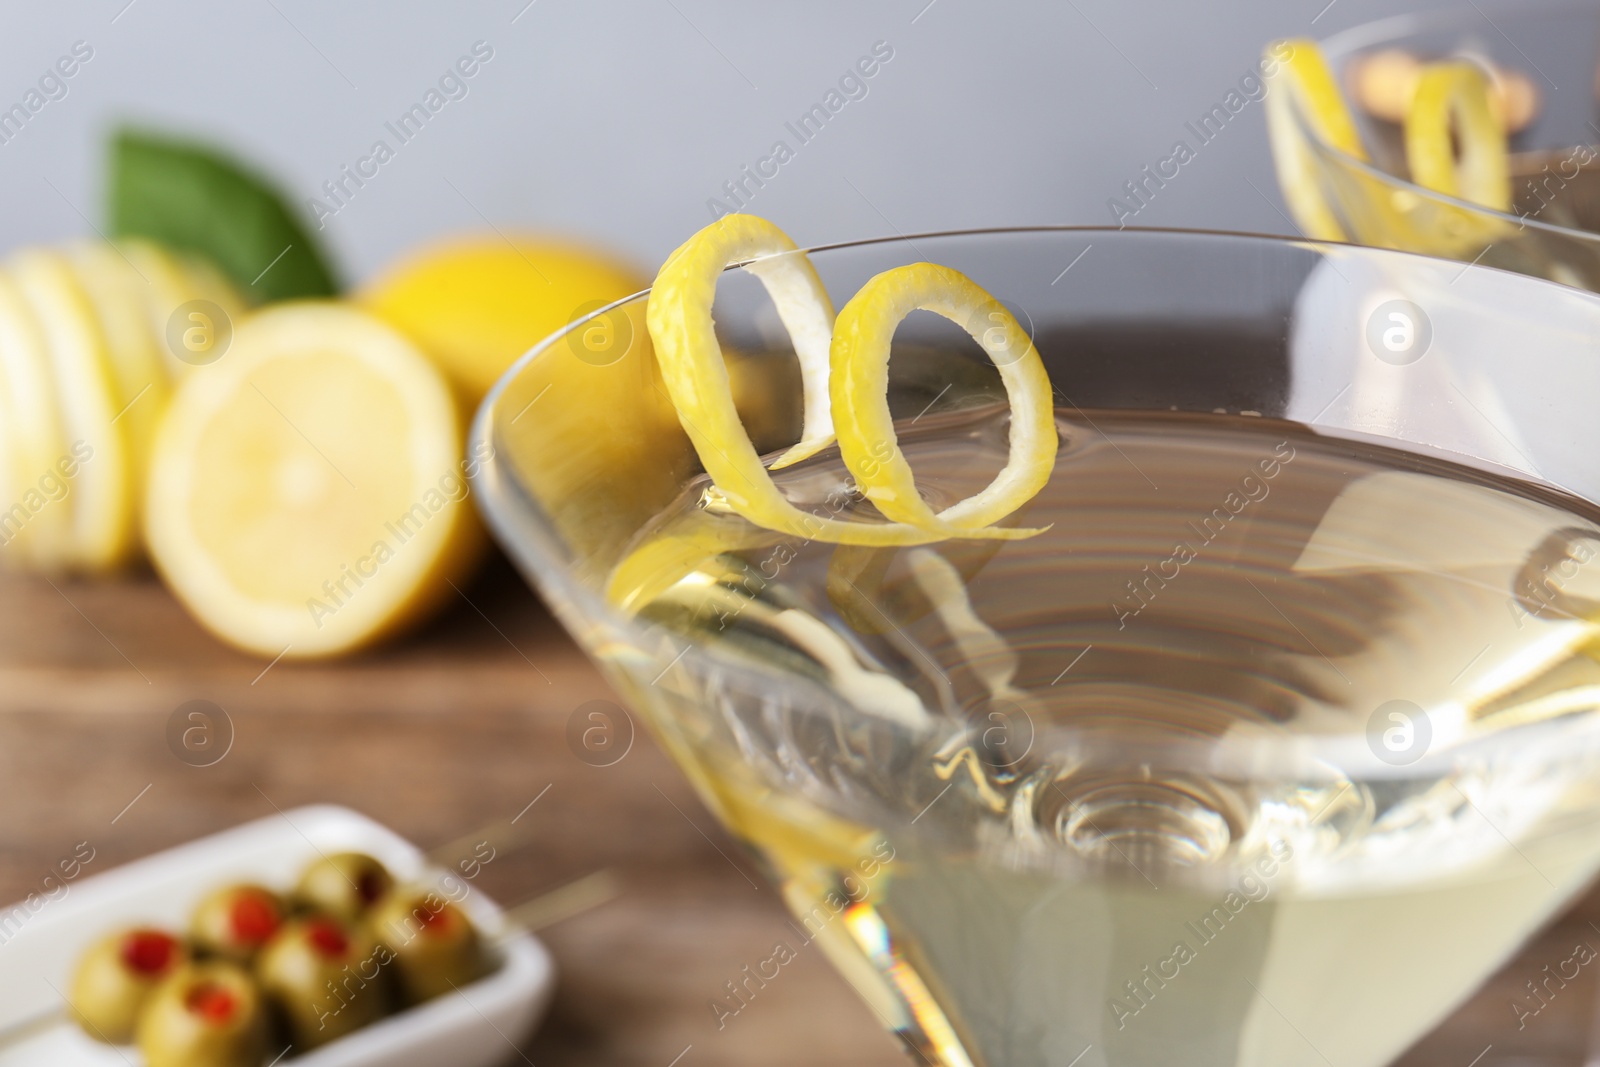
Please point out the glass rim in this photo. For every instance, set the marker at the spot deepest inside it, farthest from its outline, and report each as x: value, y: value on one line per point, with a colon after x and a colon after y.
x: 510, y: 373
x: 501, y: 499
x: 1389, y: 29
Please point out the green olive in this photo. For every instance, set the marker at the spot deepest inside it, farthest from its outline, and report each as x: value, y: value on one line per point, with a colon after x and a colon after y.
x: 204, y: 1015
x: 344, y: 885
x: 235, y: 922
x: 432, y: 943
x: 115, y: 978
x: 323, y: 979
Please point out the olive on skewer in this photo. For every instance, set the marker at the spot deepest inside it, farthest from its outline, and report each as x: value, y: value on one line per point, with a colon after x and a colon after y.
x: 236, y: 921
x: 324, y: 979
x: 344, y: 885
x: 206, y: 1014
x: 434, y: 947
x: 116, y: 977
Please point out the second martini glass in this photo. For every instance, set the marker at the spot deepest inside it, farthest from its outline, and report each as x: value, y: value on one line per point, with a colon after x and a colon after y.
x: 1552, y: 229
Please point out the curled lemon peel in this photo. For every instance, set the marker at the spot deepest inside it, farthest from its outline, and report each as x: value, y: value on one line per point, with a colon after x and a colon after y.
x: 692, y: 364
x: 860, y: 387
x: 1455, y: 97
x: 696, y: 380
x: 1304, y: 94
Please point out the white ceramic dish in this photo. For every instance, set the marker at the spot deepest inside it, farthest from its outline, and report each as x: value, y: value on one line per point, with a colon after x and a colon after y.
x: 472, y: 1028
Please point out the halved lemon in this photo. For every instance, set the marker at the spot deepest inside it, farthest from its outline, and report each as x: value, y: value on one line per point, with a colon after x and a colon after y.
x: 307, y: 494
x: 101, y: 534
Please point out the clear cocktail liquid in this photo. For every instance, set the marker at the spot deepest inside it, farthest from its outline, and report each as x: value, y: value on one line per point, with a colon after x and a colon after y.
x: 1267, y: 752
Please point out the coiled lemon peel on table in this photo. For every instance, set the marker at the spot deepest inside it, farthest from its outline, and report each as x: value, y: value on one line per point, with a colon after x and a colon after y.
x: 1452, y: 105
x: 845, y: 398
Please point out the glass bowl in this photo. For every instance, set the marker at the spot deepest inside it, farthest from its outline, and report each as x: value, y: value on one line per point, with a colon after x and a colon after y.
x: 1551, y: 229
x: 1033, y: 930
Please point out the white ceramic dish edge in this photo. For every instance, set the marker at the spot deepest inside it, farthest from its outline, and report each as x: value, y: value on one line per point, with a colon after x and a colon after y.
x: 39, y: 947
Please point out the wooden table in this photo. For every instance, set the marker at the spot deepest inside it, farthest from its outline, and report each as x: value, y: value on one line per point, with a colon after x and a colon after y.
x: 458, y: 729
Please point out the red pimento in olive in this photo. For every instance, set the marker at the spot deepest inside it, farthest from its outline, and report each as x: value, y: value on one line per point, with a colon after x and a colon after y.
x: 255, y: 918
x: 211, y: 1002
x: 149, y: 952
x: 206, y: 1013
x: 236, y: 921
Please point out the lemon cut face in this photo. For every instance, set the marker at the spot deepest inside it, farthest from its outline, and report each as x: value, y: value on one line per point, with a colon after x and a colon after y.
x: 307, y: 494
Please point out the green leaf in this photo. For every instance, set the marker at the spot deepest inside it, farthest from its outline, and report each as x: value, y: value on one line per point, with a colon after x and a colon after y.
x: 188, y: 196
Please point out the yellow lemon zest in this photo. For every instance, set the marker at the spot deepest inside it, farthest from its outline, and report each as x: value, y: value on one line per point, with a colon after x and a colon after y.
x: 1302, y: 94
x: 696, y: 377
x: 860, y: 387
x: 852, y: 382
x: 1458, y: 91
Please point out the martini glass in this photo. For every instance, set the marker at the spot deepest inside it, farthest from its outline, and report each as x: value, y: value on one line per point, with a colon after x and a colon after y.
x: 1553, y: 227
x: 1288, y: 797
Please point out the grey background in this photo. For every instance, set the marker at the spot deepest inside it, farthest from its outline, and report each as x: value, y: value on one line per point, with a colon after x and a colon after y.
x: 618, y: 121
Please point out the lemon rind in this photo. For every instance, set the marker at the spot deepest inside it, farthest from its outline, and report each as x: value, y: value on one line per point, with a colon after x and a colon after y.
x: 860, y: 385
x: 102, y: 533
x: 1302, y: 90
x: 1459, y: 91
x: 696, y: 379
x: 33, y: 428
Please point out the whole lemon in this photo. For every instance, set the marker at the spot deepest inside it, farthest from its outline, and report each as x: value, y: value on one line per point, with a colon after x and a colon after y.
x: 477, y: 303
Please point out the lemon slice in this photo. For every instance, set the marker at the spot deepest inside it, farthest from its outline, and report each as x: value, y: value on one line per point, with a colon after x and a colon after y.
x: 117, y: 295
x: 102, y: 532
x: 170, y: 282
x: 306, y: 494
x: 1303, y: 93
x: 1454, y: 98
x: 696, y: 377
x: 35, y: 522
x: 860, y: 388
x: 206, y: 282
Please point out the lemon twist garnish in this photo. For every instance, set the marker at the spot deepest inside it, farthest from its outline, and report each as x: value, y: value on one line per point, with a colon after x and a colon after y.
x: 1303, y: 91
x: 687, y: 348
x: 860, y: 388
x: 1458, y: 90
x: 696, y: 379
